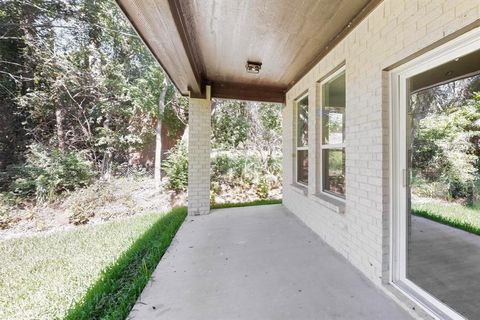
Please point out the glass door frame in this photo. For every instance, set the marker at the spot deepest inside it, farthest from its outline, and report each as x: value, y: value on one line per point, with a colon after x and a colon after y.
x: 398, y: 88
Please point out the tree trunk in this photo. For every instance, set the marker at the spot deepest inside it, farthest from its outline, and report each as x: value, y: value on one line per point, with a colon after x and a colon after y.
x: 107, y: 157
x: 59, y: 119
x: 158, y: 152
x: 158, y: 135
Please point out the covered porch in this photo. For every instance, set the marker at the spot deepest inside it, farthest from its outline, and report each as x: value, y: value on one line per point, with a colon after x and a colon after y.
x: 258, y: 263
x: 342, y: 70
x: 244, y: 50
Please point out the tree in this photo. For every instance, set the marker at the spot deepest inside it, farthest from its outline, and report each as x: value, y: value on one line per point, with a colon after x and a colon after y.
x: 158, y: 133
x: 75, y: 77
x: 445, y: 136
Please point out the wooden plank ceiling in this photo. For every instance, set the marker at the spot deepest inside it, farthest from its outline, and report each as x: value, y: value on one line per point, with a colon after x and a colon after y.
x: 200, y: 42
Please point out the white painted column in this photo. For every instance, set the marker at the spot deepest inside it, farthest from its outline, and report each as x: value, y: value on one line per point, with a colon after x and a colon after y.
x: 199, y: 133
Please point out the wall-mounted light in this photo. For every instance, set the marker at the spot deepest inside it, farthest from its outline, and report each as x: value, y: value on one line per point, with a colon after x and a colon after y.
x: 253, y: 67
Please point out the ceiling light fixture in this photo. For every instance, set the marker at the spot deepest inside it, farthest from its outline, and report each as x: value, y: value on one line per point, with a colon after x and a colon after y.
x: 253, y: 67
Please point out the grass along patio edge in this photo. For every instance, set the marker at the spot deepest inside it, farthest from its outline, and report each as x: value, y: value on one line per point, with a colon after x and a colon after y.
x: 113, y: 295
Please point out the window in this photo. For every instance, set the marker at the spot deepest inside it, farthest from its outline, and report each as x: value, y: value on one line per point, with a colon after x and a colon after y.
x: 302, y: 141
x: 333, y: 134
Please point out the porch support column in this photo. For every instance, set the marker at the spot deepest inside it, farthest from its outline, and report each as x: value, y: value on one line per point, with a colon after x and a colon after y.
x: 199, y: 133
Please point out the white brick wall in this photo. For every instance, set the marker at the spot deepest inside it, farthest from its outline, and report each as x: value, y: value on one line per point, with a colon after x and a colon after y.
x: 395, y: 30
x: 199, y: 155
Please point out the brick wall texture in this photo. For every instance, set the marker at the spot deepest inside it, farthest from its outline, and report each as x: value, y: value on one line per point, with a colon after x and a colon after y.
x: 199, y: 156
x: 395, y: 30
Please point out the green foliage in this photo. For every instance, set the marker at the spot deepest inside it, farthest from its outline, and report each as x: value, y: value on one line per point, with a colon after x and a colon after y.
x: 246, y: 142
x: 230, y: 126
x: 99, y: 95
x: 429, y: 189
x: 445, y: 148
x: 262, y: 188
x: 458, y: 223
x: 49, y: 172
x: 6, y: 218
x: 176, y: 167
x: 117, y: 290
x: 232, y: 168
x: 85, y: 203
x: 47, y: 274
x: 270, y: 116
x: 247, y: 204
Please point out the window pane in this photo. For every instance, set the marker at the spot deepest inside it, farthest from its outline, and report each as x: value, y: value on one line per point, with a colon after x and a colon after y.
x: 302, y: 122
x: 334, y: 171
x: 302, y: 166
x: 333, y: 111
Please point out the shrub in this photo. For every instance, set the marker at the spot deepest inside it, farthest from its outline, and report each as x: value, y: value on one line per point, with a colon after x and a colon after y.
x: 434, y: 189
x: 262, y: 188
x: 84, y: 204
x: 4, y: 181
x: 176, y: 167
x: 50, y: 172
x: 233, y: 168
x: 6, y: 219
x: 445, y: 147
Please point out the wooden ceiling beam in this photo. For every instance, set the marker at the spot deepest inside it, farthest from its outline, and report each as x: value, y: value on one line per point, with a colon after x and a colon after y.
x: 242, y: 91
x: 161, y: 31
x: 186, y: 29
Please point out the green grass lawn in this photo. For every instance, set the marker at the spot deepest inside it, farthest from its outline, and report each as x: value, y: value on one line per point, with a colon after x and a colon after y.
x: 454, y: 214
x: 42, y: 277
x: 247, y: 204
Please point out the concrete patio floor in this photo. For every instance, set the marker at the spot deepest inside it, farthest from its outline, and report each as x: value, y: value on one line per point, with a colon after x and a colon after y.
x: 257, y: 263
x: 445, y: 261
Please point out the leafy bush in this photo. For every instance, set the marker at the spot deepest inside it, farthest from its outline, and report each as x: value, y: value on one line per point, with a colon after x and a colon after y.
x: 6, y: 219
x: 47, y: 173
x: 433, y: 189
x: 83, y: 204
x: 230, y: 125
x: 233, y: 168
x: 445, y: 147
x: 176, y: 167
x: 4, y: 181
x: 262, y: 188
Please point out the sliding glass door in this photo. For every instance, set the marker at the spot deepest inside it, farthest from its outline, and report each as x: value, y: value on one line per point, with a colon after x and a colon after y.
x: 436, y: 180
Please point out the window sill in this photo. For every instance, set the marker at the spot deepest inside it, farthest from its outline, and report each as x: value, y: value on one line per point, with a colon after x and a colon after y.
x: 331, y: 203
x: 301, y: 189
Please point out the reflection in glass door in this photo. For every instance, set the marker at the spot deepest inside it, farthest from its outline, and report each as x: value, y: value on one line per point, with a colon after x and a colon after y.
x: 442, y: 178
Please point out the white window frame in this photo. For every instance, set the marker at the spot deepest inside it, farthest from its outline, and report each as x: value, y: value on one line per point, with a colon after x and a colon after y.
x: 295, y: 141
x: 338, y: 146
x: 463, y: 45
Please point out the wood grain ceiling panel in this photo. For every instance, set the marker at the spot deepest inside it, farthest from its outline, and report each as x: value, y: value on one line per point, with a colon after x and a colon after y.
x: 202, y: 42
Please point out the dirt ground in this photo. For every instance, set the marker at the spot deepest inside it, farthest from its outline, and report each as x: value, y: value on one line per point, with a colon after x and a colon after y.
x: 105, y: 201
x: 102, y: 201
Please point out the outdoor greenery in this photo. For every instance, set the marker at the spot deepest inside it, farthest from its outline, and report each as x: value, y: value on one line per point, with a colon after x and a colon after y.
x: 445, y: 157
x: 42, y: 276
x: 116, y: 291
x: 247, y: 204
x: 453, y: 214
x: 176, y: 167
x: 83, y: 99
x: 47, y: 173
x: 92, y: 132
x: 246, y: 151
x: 78, y: 89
